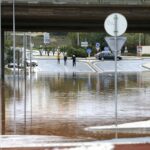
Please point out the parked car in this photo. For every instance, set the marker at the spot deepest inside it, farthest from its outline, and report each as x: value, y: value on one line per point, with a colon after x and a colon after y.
x: 11, y: 65
x: 33, y: 63
x: 106, y: 56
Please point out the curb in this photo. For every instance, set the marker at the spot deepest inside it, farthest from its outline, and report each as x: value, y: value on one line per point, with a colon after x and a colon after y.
x: 147, y: 66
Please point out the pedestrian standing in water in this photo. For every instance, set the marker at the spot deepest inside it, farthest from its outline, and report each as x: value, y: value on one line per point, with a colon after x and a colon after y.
x: 74, y: 60
x: 58, y: 58
x: 65, y: 59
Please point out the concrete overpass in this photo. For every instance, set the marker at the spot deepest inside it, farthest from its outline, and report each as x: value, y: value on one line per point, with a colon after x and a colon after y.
x: 47, y: 16
x: 68, y: 17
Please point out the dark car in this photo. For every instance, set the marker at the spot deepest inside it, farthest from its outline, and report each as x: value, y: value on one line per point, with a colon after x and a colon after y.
x: 33, y: 63
x: 107, y: 56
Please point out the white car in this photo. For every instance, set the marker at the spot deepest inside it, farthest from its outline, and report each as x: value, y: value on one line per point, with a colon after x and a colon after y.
x: 11, y: 65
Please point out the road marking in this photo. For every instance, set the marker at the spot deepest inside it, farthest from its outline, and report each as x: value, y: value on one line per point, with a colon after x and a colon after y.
x: 90, y: 66
x: 98, y: 68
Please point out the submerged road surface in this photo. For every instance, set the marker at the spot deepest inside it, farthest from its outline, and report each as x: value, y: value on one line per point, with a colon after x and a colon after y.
x: 52, y: 66
x: 86, y: 66
x: 61, y: 101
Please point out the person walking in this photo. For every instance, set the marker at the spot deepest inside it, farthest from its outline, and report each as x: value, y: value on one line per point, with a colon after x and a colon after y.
x: 74, y: 60
x: 58, y: 58
x: 65, y: 59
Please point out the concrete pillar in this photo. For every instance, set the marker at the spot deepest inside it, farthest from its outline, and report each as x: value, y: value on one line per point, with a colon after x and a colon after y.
x: 0, y: 38
x: 2, y: 109
x: 2, y: 56
x: 2, y: 88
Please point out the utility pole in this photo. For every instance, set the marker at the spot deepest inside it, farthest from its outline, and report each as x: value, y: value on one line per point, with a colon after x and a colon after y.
x: 78, y: 39
x: 139, y: 39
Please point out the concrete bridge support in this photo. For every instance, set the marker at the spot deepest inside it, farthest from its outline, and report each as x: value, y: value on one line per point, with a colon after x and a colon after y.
x: 2, y: 64
x: 2, y: 109
x: 2, y: 88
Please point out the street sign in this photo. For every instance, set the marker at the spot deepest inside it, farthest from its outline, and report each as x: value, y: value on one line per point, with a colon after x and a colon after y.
x: 115, y: 25
x: 120, y: 42
x: 89, y: 50
x: 113, y: 21
x: 84, y: 44
x: 46, y: 38
x: 97, y: 44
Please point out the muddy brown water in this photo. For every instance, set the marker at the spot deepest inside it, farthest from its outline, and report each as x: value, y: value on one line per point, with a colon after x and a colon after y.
x: 65, y: 104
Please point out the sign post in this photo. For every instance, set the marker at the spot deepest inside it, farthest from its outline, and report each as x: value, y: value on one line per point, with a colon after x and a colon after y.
x: 139, y: 50
x: 89, y: 50
x: 46, y: 38
x: 84, y: 44
x: 115, y: 25
x: 97, y: 45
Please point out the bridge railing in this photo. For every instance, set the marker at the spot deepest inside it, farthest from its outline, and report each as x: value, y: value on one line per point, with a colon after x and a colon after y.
x: 86, y: 2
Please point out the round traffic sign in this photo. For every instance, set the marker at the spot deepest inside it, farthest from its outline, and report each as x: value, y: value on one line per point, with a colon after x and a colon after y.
x: 115, y: 22
x: 88, y: 50
x: 97, y: 44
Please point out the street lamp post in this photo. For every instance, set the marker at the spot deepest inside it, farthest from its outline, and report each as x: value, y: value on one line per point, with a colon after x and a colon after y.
x: 139, y: 39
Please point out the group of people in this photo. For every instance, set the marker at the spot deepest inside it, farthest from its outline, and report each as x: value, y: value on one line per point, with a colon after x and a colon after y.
x: 65, y: 59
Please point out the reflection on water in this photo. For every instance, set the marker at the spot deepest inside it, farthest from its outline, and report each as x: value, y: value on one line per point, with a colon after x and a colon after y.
x: 2, y: 108
x: 64, y: 104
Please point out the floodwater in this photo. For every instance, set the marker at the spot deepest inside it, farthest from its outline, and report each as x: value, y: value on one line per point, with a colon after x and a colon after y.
x: 65, y: 104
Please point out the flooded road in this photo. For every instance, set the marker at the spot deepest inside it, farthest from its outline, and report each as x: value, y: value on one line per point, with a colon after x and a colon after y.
x: 63, y: 105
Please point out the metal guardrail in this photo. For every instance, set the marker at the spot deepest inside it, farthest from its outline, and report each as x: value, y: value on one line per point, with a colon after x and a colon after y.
x: 86, y: 2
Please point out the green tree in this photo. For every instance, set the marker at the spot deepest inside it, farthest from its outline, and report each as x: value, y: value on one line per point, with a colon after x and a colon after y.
x: 63, y: 49
x: 133, y: 41
x: 40, y: 49
x: 49, y: 49
x: 91, y: 38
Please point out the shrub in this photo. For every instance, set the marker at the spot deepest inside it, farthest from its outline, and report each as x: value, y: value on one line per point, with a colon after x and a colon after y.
x: 78, y: 52
x: 146, y: 55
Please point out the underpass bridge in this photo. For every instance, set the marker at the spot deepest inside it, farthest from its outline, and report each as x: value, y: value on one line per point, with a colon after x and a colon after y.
x: 70, y: 15
x: 73, y: 15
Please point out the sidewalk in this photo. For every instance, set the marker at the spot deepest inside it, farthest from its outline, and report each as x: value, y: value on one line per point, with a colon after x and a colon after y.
x: 87, y: 58
x: 147, y: 65
x: 61, y: 57
x: 117, y: 147
x: 33, y: 142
